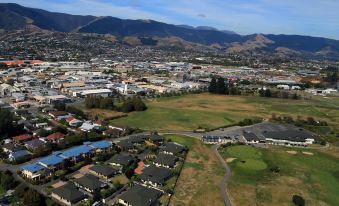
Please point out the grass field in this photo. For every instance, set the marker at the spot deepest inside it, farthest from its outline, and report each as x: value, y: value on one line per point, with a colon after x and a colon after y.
x: 199, y: 180
x: 209, y: 111
x: 307, y: 172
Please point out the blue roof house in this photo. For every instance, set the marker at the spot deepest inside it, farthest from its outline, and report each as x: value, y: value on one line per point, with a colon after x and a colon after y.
x: 77, y: 153
x: 32, y: 171
x: 51, y: 161
x: 101, y: 145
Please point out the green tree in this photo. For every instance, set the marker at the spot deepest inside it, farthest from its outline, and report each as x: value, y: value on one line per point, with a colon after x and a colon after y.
x: 32, y: 198
x: 221, y: 86
x: 213, y: 86
x: 6, y: 122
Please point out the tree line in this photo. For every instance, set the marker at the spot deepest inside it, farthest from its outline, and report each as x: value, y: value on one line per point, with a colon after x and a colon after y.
x: 128, y: 105
x: 220, y: 85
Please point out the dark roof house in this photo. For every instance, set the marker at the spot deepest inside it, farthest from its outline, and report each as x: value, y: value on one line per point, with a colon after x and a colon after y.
x: 155, y: 176
x: 89, y: 183
x: 68, y: 194
x: 140, y: 196
x: 121, y: 160
x: 166, y: 160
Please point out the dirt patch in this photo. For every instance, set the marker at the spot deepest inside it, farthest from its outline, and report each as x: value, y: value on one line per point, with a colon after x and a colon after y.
x: 85, y: 169
x: 230, y: 159
x: 77, y: 175
x: 58, y: 184
x: 292, y: 152
x: 308, y: 153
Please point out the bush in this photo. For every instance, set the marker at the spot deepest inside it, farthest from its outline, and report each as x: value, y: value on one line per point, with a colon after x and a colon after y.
x: 298, y: 200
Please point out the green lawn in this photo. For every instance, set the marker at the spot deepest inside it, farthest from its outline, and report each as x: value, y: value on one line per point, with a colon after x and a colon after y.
x: 313, y: 175
x: 209, y: 111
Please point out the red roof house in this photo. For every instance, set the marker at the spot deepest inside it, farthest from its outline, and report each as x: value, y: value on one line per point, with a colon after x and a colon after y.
x: 23, y: 138
x: 55, y: 136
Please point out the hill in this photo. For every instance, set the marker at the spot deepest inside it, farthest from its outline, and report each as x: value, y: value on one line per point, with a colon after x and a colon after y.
x: 14, y: 16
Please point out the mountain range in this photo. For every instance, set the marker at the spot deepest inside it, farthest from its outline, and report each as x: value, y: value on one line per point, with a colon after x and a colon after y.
x: 14, y: 17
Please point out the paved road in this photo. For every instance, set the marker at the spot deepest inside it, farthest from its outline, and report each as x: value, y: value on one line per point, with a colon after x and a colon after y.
x: 223, y: 183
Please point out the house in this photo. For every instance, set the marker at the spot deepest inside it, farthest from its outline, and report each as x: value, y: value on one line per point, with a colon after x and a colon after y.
x: 19, y: 155
x: 139, y: 195
x: 77, y: 153
x: 33, y: 171
x: 89, y: 183
x: 34, y: 144
x: 22, y: 138
x: 88, y: 126
x: 52, y: 162
x: 73, y: 122
x: 166, y: 160
x: 112, y: 133
x: 56, y: 114
x: 215, y: 139
x: 155, y: 176
x: 55, y: 137
x: 121, y: 160
x: 172, y: 148
x: 292, y: 137
x: 253, y: 138
x: 68, y: 194
x: 156, y: 139
x: 103, y: 171
x: 125, y: 145
x: 100, y: 146
x: 10, y: 147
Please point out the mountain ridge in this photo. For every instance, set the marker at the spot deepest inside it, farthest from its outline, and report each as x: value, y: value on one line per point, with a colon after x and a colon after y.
x: 14, y: 16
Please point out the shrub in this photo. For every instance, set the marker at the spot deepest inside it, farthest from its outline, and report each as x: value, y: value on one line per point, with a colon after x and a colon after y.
x: 298, y: 200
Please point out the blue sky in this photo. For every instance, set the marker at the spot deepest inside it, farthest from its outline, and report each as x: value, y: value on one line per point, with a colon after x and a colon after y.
x: 305, y: 17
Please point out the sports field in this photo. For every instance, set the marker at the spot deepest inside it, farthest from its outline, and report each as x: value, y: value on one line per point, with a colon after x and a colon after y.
x: 199, y: 180
x: 272, y: 176
x: 210, y: 111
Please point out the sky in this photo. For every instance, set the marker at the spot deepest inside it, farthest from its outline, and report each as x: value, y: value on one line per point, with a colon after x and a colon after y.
x: 303, y: 17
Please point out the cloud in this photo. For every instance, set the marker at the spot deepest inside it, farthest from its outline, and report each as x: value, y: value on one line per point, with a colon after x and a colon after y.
x: 202, y: 15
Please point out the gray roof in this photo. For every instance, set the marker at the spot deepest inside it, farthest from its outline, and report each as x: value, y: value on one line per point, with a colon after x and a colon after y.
x: 104, y: 170
x: 299, y: 135
x: 156, y: 174
x: 89, y: 181
x: 35, y: 143
x: 121, y: 159
x: 141, y: 196
x: 173, y: 147
x: 165, y: 159
x: 70, y: 193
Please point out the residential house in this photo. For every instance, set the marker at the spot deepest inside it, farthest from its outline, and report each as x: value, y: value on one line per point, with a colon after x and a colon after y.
x: 166, y: 160
x: 155, y: 176
x: 33, y: 171
x: 121, y: 160
x: 88, y: 126
x: 19, y: 155
x: 55, y: 137
x: 53, y: 162
x: 22, y: 138
x: 172, y: 148
x: 34, y: 144
x: 103, y: 171
x: 67, y: 194
x: 139, y: 195
x: 89, y: 183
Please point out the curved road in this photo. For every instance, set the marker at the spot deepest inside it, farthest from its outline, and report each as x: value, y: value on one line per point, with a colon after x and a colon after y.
x: 223, y: 183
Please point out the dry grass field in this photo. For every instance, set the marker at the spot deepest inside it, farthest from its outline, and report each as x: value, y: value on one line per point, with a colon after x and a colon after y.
x: 199, y: 180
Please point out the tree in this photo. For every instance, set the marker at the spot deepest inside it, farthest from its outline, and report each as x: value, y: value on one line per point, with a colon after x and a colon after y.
x: 298, y: 200
x: 32, y: 198
x: 213, y: 86
x: 139, y: 105
x: 60, y: 106
x: 221, y: 86
x: 6, y: 122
